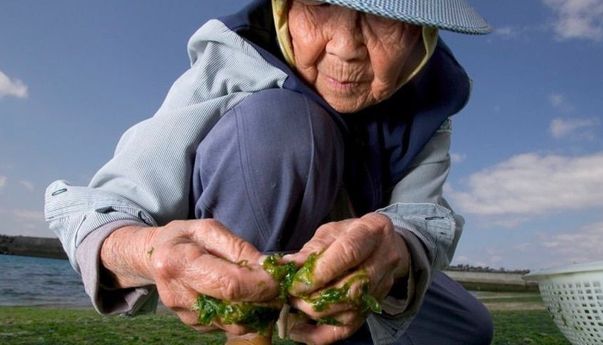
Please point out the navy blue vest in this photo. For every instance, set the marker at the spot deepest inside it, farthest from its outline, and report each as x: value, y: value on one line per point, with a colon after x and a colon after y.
x: 382, y: 140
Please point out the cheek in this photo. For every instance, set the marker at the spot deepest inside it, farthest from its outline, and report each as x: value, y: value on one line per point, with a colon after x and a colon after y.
x: 392, y: 58
x: 307, y: 39
x: 307, y: 49
x: 387, y: 66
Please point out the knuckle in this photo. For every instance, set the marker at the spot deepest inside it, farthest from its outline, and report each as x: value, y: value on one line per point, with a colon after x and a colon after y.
x: 200, y: 226
x: 169, y: 302
x: 239, y: 247
x: 351, y: 251
x: 210, y: 222
x: 325, y: 228
x: 378, y: 221
x: 231, y: 289
x: 174, y: 225
x: 163, y: 267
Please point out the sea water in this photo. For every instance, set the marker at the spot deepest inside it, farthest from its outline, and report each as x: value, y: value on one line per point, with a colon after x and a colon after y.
x: 30, y: 281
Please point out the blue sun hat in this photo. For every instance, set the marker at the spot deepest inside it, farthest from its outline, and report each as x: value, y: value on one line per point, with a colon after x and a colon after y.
x: 452, y: 15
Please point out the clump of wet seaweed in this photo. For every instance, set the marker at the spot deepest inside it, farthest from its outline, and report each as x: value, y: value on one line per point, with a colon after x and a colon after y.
x: 260, y: 318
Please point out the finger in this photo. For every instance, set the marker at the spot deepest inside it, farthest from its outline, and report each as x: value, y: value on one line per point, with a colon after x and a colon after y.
x: 346, y: 253
x: 349, y: 317
x: 322, y: 334
x: 380, y: 278
x: 234, y: 329
x: 176, y: 295
x: 321, y: 240
x: 307, y: 308
x: 345, y: 295
x: 221, y: 242
x: 380, y: 281
x: 324, y: 236
x: 190, y: 318
x: 388, y: 263
x: 248, y: 339
x: 380, y: 289
x: 224, y: 280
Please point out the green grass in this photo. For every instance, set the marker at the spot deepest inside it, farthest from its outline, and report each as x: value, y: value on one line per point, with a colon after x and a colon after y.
x: 506, y: 297
x: 36, y: 325
x: 526, y: 327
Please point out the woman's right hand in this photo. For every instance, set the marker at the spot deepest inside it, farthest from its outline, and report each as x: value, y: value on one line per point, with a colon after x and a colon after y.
x: 185, y: 259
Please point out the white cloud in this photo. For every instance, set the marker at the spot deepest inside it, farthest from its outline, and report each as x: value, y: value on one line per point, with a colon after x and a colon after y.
x: 531, y: 184
x: 21, y: 216
x: 27, y: 215
x: 581, y: 245
x: 12, y: 87
x: 577, y: 128
x: 559, y: 102
x: 27, y: 185
x: 507, y: 32
x: 24, y: 222
x: 2, y: 181
x: 557, y: 99
x: 457, y: 157
x: 582, y: 19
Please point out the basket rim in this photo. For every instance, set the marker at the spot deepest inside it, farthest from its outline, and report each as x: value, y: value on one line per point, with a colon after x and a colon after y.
x: 567, y: 269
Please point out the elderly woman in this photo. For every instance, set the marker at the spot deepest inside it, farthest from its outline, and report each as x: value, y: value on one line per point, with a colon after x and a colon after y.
x: 302, y: 126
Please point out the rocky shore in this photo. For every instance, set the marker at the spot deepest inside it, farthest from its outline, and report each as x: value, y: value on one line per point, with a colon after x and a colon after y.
x: 32, y: 246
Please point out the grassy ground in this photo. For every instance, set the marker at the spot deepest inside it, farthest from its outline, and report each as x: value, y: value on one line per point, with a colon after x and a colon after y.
x: 30, y: 326
x: 525, y: 327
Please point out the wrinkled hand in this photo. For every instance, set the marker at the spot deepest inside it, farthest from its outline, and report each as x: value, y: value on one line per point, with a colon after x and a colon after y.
x: 193, y: 257
x: 347, y: 247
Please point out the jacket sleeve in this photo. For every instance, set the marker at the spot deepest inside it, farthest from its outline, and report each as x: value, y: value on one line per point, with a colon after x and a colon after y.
x: 431, y: 229
x: 147, y: 182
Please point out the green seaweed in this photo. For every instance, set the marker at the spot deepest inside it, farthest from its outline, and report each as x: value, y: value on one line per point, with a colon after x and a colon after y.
x: 304, y: 274
x: 255, y: 317
x: 328, y: 320
x: 328, y: 297
x: 369, y: 302
x: 365, y: 302
x: 282, y: 273
x: 259, y: 318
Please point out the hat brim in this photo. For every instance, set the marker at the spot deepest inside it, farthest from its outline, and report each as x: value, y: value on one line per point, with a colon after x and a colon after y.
x: 452, y: 15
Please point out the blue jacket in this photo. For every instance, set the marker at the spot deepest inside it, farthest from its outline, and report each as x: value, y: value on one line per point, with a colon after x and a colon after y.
x: 385, y: 138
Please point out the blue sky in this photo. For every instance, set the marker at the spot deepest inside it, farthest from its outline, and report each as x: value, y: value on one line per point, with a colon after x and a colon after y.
x: 527, y: 150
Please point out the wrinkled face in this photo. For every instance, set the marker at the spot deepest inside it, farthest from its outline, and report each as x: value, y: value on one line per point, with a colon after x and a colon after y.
x: 352, y: 59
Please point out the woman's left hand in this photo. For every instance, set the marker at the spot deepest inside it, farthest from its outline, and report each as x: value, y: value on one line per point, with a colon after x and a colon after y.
x: 347, y: 247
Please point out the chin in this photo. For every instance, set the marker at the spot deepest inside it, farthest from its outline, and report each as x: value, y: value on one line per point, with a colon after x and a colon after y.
x: 347, y: 105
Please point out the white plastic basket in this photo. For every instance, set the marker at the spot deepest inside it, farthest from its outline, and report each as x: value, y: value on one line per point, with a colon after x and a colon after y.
x: 574, y: 297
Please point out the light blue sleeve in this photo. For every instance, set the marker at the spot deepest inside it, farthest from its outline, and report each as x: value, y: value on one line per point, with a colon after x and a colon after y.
x: 147, y: 182
x: 431, y: 229
x: 417, y: 203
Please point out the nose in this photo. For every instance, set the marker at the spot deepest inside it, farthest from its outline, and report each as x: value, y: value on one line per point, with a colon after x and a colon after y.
x: 346, y: 39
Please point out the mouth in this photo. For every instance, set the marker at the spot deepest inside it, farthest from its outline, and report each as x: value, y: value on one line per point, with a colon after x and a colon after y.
x: 342, y: 85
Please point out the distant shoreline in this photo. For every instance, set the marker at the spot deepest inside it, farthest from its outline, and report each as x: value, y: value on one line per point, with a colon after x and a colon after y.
x: 42, y: 247
x: 477, y: 280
